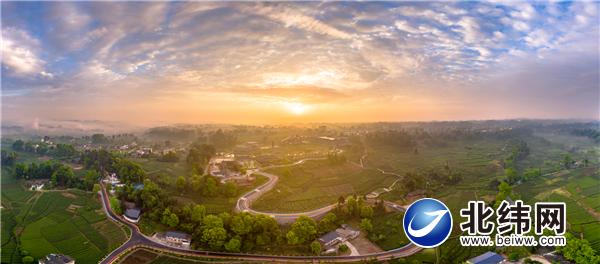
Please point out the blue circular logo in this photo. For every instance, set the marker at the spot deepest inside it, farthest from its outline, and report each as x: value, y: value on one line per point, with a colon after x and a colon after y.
x: 427, y: 223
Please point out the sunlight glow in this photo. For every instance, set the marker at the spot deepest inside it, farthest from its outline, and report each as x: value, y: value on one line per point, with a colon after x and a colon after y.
x: 296, y: 108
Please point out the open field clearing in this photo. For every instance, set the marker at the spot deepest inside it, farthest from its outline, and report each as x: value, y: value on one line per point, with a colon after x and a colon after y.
x: 317, y: 183
x: 69, y: 222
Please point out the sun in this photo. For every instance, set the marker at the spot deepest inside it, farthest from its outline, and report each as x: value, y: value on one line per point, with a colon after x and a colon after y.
x: 296, y: 108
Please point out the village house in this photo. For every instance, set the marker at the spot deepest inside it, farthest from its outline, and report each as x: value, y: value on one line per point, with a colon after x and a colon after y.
x: 175, y: 238
x: 331, y: 240
x: 57, y: 259
x: 132, y: 215
x: 487, y: 258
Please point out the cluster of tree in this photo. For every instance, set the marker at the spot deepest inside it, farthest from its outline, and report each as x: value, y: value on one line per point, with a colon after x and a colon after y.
x: 232, y: 233
x: 42, y: 148
x: 99, y: 139
x: 579, y: 250
x: 9, y: 158
x: 336, y: 158
x: 199, y: 155
x: 100, y: 160
x: 519, y: 150
x: 207, y: 186
x: 58, y: 173
x: 170, y: 156
x: 397, y: 139
x: 305, y: 230
x: 593, y: 134
x: 104, y: 161
x: 173, y: 133
x: 128, y: 171
x: 504, y: 191
x: 222, y: 140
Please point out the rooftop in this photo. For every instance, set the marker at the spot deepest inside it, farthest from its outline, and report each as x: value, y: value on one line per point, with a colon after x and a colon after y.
x: 56, y: 259
x: 487, y: 258
x: 177, y: 234
x: 133, y: 213
x: 329, y: 237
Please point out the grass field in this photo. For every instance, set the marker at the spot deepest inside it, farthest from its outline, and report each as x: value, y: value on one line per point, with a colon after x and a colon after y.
x: 317, y: 183
x: 69, y: 222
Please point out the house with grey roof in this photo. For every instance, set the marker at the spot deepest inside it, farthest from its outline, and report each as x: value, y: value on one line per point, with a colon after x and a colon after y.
x: 56, y: 259
x: 132, y: 215
x: 487, y: 258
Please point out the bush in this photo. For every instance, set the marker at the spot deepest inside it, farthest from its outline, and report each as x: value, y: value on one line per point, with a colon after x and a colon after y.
x: 343, y: 248
x: 514, y: 256
x: 27, y: 259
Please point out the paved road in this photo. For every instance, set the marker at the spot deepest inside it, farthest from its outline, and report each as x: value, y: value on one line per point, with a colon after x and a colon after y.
x: 139, y: 240
x: 244, y: 203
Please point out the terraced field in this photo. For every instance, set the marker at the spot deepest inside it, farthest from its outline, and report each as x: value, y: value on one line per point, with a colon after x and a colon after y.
x: 69, y: 222
x: 315, y: 184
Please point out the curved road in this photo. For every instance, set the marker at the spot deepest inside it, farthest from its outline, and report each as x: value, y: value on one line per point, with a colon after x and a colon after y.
x: 139, y: 240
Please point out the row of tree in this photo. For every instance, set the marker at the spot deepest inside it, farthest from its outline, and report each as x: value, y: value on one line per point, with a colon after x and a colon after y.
x: 42, y: 148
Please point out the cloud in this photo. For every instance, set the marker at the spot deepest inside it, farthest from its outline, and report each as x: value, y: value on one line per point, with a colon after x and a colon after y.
x: 304, y: 94
x: 20, y: 53
x: 95, y: 53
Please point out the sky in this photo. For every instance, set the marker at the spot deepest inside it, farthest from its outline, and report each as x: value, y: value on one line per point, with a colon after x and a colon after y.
x: 251, y: 62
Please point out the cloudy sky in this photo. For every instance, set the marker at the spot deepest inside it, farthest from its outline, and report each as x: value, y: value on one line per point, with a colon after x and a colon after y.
x: 151, y: 63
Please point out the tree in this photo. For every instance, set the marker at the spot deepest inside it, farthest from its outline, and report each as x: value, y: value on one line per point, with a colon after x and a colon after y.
x: 343, y: 248
x: 241, y: 224
x: 96, y: 188
x: 315, y: 247
x: 214, y: 237
x: 21, y: 171
x: 328, y: 222
x: 229, y: 189
x: 567, y: 161
x: 578, y: 250
x: 63, y: 176
x: 129, y: 171
x: 91, y: 177
x: 115, y: 205
x: 181, y: 183
x: 198, y: 213
x: 212, y: 221
x: 99, y: 139
x: 18, y: 145
x: 366, y: 225
x: 233, y: 245
x: 8, y: 159
x: 199, y: 155
x: 170, y: 156
x: 172, y: 220
x: 504, y: 190
x: 532, y: 173
x: 196, y: 182
x: 303, y: 230
x: 210, y: 187
x: 341, y: 200
x: 511, y: 175
x: 366, y: 211
x: 27, y: 259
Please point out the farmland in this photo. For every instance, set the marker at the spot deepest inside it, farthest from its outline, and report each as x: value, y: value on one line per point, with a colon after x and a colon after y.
x: 314, y: 184
x: 69, y: 222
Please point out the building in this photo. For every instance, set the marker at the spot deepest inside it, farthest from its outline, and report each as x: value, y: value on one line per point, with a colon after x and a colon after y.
x: 176, y: 238
x: 338, y: 236
x: 56, y: 259
x: 487, y: 258
x: 132, y: 215
x: 330, y: 239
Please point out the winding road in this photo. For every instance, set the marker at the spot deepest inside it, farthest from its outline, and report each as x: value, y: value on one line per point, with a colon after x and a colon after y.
x: 139, y: 240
